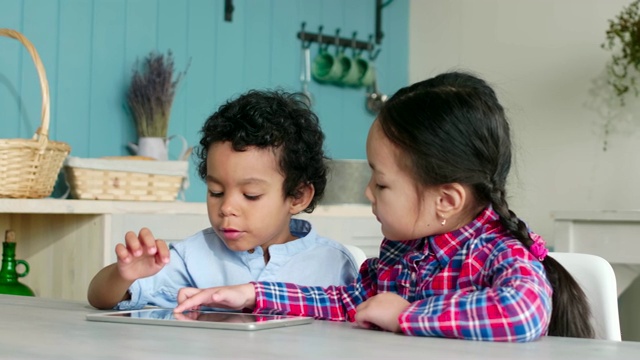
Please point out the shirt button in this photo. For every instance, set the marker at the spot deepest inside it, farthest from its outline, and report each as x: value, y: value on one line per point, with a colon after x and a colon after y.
x: 251, y: 251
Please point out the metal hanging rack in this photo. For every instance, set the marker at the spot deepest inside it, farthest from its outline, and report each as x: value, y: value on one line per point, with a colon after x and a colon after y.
x: 321, y: 38
x: 307, y: 38
x: 228, y: 10
x: 379, y: 6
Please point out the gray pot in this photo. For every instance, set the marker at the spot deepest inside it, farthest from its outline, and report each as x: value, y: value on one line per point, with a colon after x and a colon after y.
x: 346, y: 182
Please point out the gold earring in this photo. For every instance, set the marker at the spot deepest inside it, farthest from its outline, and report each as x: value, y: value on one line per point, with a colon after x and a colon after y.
x: 444, y: 221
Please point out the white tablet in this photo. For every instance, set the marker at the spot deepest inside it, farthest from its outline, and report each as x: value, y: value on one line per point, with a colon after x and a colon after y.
x: 200, y: 318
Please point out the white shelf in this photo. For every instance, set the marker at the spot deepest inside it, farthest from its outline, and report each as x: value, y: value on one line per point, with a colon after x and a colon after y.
x: 597, y: 215
x: 611, y: 234
x: 58, y: 206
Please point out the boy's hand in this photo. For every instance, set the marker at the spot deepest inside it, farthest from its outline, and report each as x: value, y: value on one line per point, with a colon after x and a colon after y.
x: 381, y: 310
x: 141, y: 255
x: 235, y: 297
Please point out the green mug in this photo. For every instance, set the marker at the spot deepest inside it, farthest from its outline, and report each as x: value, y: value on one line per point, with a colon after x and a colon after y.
x: 345, y: 64
x: 325, y: 67
x: 368, y: 78
x: 359, y: 67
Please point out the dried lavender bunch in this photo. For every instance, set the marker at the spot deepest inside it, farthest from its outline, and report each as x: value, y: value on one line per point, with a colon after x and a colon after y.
x: 151, y: 94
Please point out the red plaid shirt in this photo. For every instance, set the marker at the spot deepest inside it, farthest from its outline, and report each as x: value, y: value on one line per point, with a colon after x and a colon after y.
x: 477, y: 282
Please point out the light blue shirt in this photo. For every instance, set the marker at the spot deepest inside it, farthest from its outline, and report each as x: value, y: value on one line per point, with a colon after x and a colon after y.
x: 203, y: 260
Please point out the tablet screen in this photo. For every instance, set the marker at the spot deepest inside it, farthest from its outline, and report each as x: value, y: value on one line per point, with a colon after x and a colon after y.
x: 200, y: 318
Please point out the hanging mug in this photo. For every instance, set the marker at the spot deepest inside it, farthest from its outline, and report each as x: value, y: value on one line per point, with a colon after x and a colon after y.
x: 345, y: 66
x: 368, y: 78
x: 362, y: 71
x: 359, y: 67
x: 325, y: 68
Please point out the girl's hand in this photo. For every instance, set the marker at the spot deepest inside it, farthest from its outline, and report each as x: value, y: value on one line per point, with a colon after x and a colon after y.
x: 381, y: 310
x: 141, y: 255
x: 235, y: 297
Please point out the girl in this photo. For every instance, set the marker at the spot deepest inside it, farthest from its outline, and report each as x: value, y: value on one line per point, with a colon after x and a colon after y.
x: 440, y: 153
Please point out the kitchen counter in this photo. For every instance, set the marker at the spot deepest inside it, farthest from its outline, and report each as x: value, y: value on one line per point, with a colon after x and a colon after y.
x: 59, y: 206
x: 612, y: 235
x: 66, y: 242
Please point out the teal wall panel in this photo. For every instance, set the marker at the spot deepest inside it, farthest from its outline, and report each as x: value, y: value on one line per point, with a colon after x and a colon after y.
x: 108, y: 80
x: 257, y: 58
x: 70, y: 114
x: 201, y: 40
x: 39, y: 16
x: 285, y: 55
x: 89, y: 48
x: 173, y: 33
x: 230, y: 51
x: 10, y: 80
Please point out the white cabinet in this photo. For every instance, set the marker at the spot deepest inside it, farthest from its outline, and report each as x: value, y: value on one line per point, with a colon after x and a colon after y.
x: 168, y: 227
x: 67, y: 242
x: 612, y: 235
x: 348, y: 224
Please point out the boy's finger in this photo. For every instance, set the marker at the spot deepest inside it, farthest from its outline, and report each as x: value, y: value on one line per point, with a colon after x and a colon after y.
x: 185, y: 293
x: 148, y: 241
x: 192, y: 301
x: 133, y: 243
x: 162, y: 253
x: 122, y: 253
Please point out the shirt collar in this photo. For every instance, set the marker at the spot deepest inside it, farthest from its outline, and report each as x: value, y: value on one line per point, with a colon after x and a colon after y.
x: 306, y: 237
x: 446, y: 246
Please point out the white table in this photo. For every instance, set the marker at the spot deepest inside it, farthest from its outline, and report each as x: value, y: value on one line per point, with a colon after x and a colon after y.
x: 47, y: 328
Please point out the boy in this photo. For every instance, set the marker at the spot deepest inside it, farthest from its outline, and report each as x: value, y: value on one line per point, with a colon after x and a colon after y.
x: 262, y: 159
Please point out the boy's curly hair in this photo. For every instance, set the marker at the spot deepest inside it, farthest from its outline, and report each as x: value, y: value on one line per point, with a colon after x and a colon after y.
x: 277, y: 120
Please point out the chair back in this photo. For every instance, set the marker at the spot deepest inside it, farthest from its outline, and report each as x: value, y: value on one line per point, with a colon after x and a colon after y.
x: 358, y: 254
x: 598, y: 281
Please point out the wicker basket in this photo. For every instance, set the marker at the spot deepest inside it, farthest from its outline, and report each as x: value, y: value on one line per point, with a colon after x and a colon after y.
x: 29, y: 168
x: 138, y: 180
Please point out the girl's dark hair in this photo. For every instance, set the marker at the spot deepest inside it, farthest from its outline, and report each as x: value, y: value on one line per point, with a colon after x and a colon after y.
x: 277, y: 120
x: 452, y: 129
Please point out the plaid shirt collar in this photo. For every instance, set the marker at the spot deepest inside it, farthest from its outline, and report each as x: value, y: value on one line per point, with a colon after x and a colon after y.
x: 446, y: 246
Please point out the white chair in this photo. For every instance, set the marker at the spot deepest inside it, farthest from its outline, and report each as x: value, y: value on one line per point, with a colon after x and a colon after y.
x: 598, y: 281
x: 358, y: 254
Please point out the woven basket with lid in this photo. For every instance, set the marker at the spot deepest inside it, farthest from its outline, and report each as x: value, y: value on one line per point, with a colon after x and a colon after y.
x: 29, y: 167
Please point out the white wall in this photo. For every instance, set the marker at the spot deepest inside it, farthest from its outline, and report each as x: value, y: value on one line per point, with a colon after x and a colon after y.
x: 544, y: 59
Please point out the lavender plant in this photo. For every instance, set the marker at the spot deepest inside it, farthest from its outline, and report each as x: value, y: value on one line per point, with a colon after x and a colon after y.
x: 151, y: 93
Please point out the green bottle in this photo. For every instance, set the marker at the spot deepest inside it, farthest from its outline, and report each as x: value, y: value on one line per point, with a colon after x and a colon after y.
x: 9, y: 283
